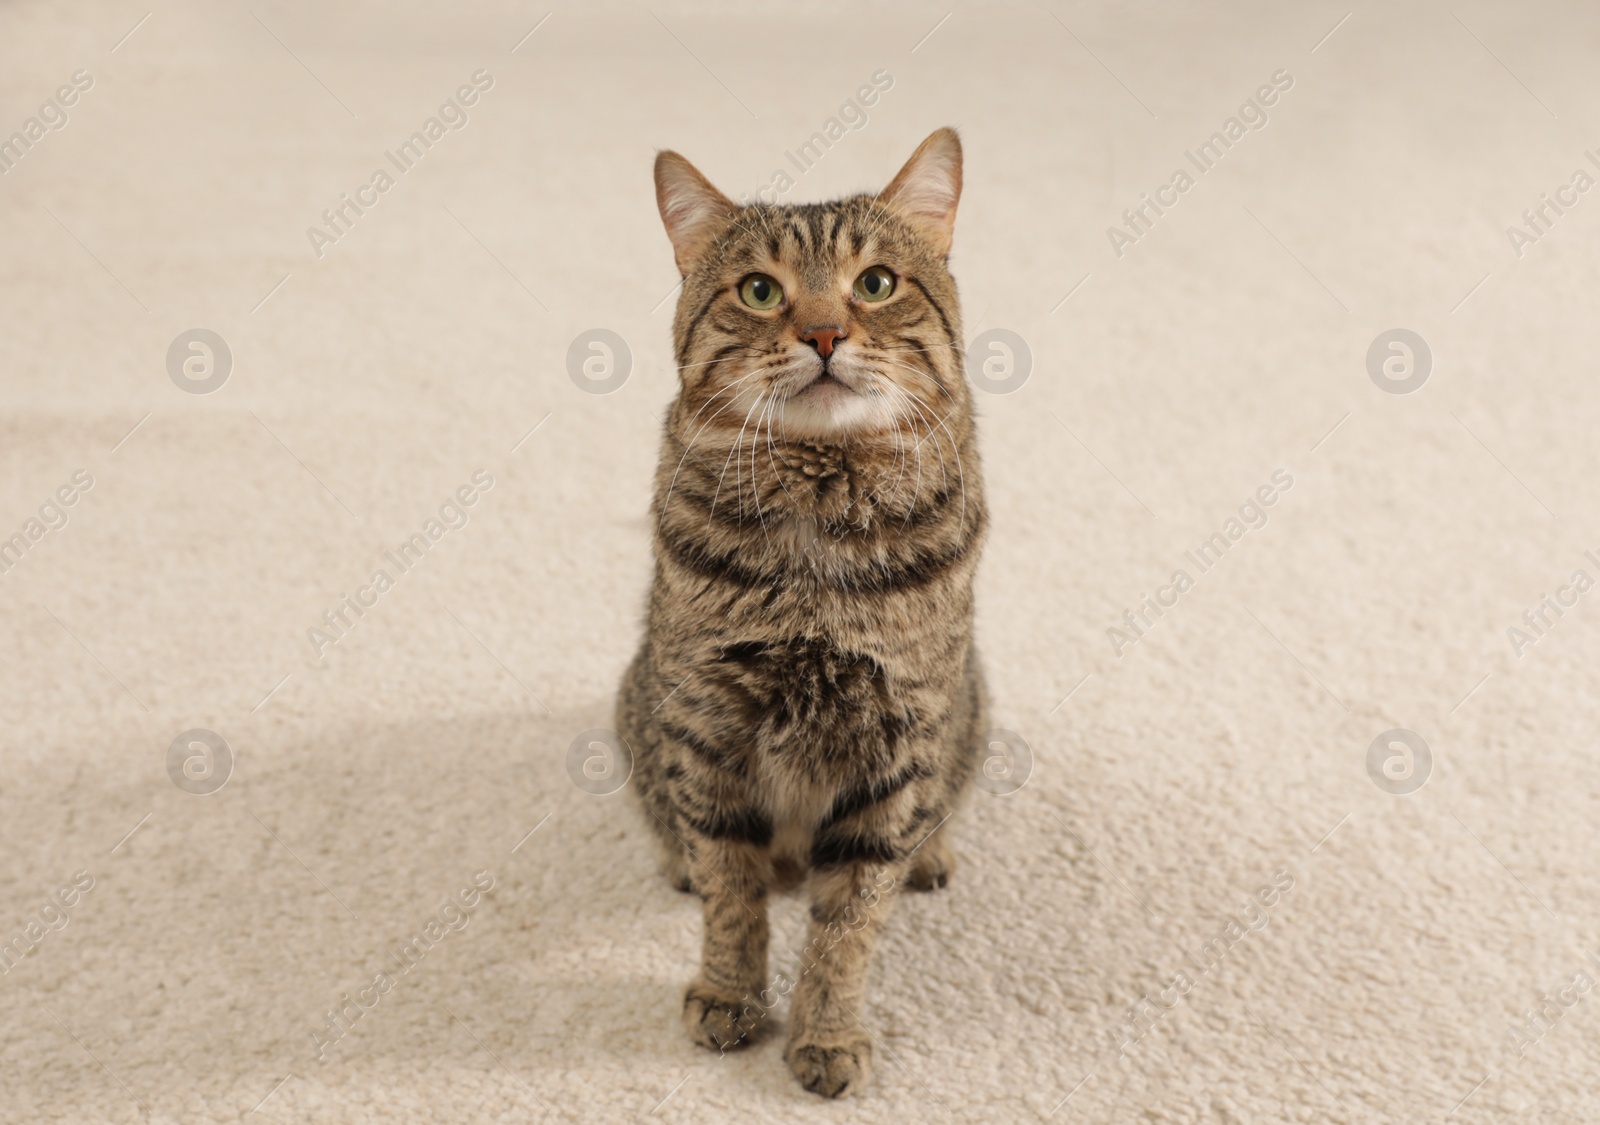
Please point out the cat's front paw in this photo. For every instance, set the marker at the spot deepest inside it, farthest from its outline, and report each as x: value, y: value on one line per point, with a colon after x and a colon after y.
x: 718, y: 1020
x: 832, y: 1068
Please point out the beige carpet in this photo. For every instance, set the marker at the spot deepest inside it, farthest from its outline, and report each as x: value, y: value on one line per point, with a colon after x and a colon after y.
x: 1424, y: 956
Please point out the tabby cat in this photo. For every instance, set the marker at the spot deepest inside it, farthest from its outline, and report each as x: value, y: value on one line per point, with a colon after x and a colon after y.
x: 807, y: 702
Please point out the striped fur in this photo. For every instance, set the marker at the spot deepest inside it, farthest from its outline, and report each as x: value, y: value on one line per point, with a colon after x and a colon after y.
x: 807, y: 701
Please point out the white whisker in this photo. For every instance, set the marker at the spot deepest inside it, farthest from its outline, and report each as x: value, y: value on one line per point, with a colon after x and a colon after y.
x: 955, y: 448
x: 674, y: 482
x: 738, y: 442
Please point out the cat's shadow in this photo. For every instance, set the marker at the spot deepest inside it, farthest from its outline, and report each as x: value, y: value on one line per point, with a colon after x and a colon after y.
x: 571, y: 970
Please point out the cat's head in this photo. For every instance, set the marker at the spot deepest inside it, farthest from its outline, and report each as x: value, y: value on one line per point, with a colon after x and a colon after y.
x: 832, y: 322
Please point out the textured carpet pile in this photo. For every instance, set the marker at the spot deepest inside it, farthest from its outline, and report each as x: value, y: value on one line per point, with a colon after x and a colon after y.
x: 1210, y: 899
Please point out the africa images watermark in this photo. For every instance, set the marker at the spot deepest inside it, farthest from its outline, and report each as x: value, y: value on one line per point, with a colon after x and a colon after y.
x: 53, y: 916
x: 1537, y: 220
x: 1538, y: 1020
x: 452, y: 113
x: 1203, y: 556
x: 1252, y: 116
x: 452, y: 917
x: 1538, y: 620
x: 52, y: 517
x: 338, y: 622
x: 51, y: 118
x: 1140, y: 1019
x: 853, y: 113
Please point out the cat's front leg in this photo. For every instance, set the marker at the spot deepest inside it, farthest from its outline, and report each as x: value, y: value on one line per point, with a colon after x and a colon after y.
x: 720, y: 1008
x: 829, y: 1049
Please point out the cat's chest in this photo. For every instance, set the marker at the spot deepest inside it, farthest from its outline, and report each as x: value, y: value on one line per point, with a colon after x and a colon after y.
x: 808, y: 548
x: 816, y: 648
x: 802, y: 676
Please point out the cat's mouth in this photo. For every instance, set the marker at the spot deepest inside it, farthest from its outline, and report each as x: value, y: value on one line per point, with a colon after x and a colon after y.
x: 827, y: 400
x: 831, y: 400
x: 823, y: 382
x: 824, y: 385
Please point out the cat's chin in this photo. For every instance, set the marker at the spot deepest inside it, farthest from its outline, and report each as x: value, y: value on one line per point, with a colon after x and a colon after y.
x: 824, y: 413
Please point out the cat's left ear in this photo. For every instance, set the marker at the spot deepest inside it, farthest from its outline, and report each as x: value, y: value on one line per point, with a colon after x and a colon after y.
x: 928, y: 188
x: 692, y: 210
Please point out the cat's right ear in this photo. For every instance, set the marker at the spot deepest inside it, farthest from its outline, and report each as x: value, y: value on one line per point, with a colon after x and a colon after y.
x: 692, y: 210
x: 928, y: 188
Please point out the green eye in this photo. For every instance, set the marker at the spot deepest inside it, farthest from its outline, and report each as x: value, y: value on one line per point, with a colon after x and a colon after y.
x: 760, y: 292
x: 874, y: 284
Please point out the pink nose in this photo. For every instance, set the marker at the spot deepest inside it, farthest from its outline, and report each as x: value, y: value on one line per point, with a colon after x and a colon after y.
x: 823, y: 339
